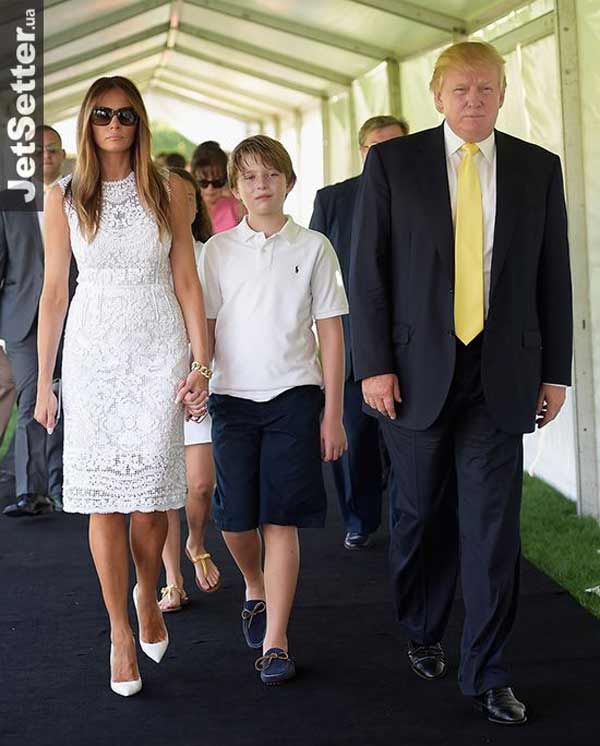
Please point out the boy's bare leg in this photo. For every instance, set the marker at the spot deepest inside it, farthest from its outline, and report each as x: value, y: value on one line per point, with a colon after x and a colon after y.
x: 246, y: 550
x: 282, y: 563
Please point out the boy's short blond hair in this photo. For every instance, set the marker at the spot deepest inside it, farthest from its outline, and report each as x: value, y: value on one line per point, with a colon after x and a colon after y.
x: 267, y: 151
x: 467, y: 55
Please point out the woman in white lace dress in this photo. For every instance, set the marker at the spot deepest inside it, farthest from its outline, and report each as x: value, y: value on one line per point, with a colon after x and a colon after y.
x: 126, y: 359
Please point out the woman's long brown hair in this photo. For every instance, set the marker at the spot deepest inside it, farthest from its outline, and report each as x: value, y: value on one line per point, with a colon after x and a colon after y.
x: 86, y: 187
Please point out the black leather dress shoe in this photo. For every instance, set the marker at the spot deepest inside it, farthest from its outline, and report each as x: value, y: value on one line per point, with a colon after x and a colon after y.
x: 501, y: 706
x: 29, y: 505
x: 357, y: 541
x: 427, y: 661
x: 57, y: 503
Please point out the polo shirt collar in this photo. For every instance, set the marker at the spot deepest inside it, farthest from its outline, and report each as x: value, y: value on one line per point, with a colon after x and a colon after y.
x: 453, y: 143
x: 287, y: 233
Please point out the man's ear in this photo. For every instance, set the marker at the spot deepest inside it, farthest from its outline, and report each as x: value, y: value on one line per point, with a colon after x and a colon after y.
x: 502, y: 94
x: 437, y: 100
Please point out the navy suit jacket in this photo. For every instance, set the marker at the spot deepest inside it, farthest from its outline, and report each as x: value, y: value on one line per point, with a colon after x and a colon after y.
x: 402, y: 279
x: 332, y: 215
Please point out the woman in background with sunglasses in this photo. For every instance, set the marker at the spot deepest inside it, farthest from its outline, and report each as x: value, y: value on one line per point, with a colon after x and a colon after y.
x: 199, y: 461
x: 209, y: 166
x: 126, y: 362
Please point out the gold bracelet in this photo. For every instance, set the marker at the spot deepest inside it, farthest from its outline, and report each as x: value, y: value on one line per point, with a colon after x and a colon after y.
x: 202, y: 369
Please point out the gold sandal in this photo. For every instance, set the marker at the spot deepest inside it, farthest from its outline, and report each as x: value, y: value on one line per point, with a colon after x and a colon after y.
x: 201, y: 558
x: 168, y: 591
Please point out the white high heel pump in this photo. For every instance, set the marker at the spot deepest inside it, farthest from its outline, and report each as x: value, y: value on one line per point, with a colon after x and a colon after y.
x: 124, y: 688
x: 154, y: 650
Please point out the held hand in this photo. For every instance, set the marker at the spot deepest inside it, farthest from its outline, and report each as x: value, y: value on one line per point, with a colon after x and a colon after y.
x: 549, y: 403
x: 380, y: 393
x: 46, y: 407
x: 192, y: 387
x: 333, y: 439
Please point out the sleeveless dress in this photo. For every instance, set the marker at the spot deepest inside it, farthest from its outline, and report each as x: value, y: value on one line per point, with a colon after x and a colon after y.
x: 125, y: 351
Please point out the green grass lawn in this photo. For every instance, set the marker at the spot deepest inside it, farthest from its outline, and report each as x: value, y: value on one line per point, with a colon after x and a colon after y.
x: 560, y: 543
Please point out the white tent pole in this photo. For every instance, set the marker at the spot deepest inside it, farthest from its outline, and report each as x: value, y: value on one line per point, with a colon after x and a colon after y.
x: 392, y: 69
x: 326, y: 125
x: 588, y: 498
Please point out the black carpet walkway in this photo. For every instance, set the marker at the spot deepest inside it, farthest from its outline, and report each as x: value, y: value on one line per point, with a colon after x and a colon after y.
x: 354, y: 687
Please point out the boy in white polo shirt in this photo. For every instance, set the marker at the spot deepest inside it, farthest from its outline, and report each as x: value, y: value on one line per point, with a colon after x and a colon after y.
x: 267, y: 280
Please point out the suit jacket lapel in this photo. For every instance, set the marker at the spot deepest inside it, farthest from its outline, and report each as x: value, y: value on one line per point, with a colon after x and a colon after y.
x: 509, y: 183
x: 433, y: 182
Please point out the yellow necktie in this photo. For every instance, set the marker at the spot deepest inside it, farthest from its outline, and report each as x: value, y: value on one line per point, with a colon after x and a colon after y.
x: 468, y: 249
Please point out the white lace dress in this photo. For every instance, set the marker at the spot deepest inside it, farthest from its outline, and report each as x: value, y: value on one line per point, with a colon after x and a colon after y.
x: 125, y: 351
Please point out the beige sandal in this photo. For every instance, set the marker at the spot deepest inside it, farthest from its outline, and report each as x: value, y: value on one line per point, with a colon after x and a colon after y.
x: 168, y: 592
x: 201, y: 558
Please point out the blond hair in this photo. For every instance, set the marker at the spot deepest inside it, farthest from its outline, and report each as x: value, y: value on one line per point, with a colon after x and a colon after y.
x: 377, y: 123
x: 467, y: 55
x: 267, y: 151
x: 85, y: 189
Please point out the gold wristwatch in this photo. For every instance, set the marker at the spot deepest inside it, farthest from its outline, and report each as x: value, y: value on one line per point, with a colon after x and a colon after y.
x: 202, y: 369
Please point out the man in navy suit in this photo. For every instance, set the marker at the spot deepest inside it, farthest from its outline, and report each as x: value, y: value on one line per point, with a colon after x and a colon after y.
x: 357, y: 474
x: 460, y: 292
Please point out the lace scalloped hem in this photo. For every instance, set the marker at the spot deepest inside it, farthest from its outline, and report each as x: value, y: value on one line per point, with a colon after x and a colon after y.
x: 71, y: 505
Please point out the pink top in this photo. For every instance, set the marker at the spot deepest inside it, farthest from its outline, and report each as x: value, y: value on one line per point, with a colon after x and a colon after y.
x: 225, y: 214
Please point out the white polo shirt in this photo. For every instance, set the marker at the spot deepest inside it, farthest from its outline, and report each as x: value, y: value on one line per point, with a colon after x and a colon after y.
x: 265, y: 294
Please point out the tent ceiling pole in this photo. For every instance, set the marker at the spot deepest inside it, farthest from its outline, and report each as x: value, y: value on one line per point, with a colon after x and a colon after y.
x: 101, y: 23
x: 276, y: 58
x: 293, y: 27
x: 586, y: 444
x: 162, y: 76
x: 528, y: 33
x: 92, y: 54
x: 266, y: 100
x: 411, y: 12
x: 166, y: 90
x: 276, y: 80
x: 92, y: 75
x: 499, y: 10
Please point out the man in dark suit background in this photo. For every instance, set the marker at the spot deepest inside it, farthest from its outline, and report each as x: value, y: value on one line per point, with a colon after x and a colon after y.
x: 460, y: 295
x: 38, y: 456
x: 357, y: 474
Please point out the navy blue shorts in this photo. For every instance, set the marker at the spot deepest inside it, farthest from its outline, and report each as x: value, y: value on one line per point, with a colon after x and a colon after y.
x: 268, y: 460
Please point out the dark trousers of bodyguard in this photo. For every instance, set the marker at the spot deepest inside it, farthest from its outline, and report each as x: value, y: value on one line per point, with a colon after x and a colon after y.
x: 357, y: 474
x: 38, y: 456
x: 456, y: 509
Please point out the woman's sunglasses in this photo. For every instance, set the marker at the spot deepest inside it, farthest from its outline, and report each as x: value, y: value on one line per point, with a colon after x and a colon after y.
x: 102, y: 115
x: 216, y: 183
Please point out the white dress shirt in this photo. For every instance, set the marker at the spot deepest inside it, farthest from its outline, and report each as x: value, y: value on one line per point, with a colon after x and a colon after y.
x: 486, y: 165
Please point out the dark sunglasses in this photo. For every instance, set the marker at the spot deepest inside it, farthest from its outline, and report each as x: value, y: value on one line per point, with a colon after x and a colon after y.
x: 217, y: 183
x: 102, y: 115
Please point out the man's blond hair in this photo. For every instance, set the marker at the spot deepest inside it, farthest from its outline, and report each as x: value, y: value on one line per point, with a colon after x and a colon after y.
x: 467, y: 55
x: 265, y: 150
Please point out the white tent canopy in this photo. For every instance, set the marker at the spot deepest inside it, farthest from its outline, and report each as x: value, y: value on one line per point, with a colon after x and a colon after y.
x: 310, y: 71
